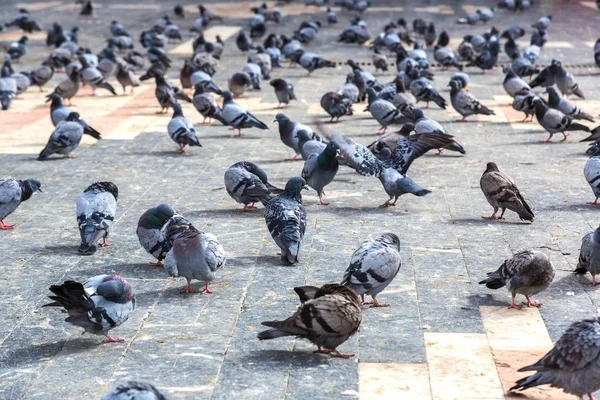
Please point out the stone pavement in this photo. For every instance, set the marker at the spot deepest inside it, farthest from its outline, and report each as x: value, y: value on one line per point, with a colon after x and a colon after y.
x: 443, y: 337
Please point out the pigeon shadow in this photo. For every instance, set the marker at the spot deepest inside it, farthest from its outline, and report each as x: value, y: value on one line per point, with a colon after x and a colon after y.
x: 486, y: 299
x: 59, y: 249
x: 568, y: 207
x: 302, y: 359
x: 224, y: 212
x: 32, y: 354
x: 268, y: 162
x: 169, y: 154
x: 483, y: 221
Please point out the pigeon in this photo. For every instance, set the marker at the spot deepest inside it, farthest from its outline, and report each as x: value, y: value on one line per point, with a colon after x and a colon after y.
x: 327, y: 317
x: 523, y: 101
x: 570, y: 364
x: 195, y: 255
x: 466, y: 51
x: 402, y: 96
x: 108, y: 65
x: 126, y: 77
x: 424, y: 91
x: 320, y: 169
x: 157, y: 228
x: 133, y: 390
x: 349, y: 90
x: 554, y: 121
x: 164, y: 94
x: 284, y: 91
x: 543, y: 23
x: 589, y: 255
x: 41, y: 75
x: 22, y: 80
x: 237, y: 117
x: 368, y: 77
x: 8, y: 91
x: 243, y: 42
x: 426, y: 125
x: 419, y: 55
x: 117, y: 29
x: 94, y: 78
x: 87, y: 8
x: 511, y: 48
x: 68, y: 88
x: 336, y: 105
x: 248, y: 184
x: 488, y: 58
x: 544, y: 79
x: 308, y: 145
x: 331, y: 16
x: 207, y: 105
x: 514, y: 32
x: 373, y: 266
x: 380, y: 61
x: 384, y: 111
x: 16, y: 50
x: 24, y: 22
x: 96, y: 210
x: 446, y: 57
x: 461, y: 78
x: 472, y: 18
x: 430, y: 34
x: 12, y: 193
x: 465, y: 103
x: 566, y: 81
x: 528, y: 273
x: 65, y: 138
x: 206, y: 81
x: 181, y: 130
x: 58, y: 113
x: 597, y: 52
x: 135, y: 59
x: 286, y: 220
x: 208, y: 15
x: 397, y: 184
x: 100, y: 304
x: 288, y: 130
x: 501, y: 192
x: 563, y: 105
x: 591, y: 171
x: 252, y: 71
x: 538, y: 39
x: 523, y: 67
x: 310, y: 61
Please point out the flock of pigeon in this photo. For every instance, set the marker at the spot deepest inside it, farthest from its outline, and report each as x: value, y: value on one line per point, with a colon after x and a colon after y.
x: 329, y: 315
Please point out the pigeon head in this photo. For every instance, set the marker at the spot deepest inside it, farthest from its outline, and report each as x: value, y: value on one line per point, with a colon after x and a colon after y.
x: 295, y: 186
x: 23, y: 40
x: 390, y: 239
x: 418, y: 114
x: 334, y: 288
x: 28, y: 187
x: 453, y: 85
x: 73, y: 117
x: 177, y: 110
x: 54, y: 98
x: 281, y: 118
x: 551, y: 91
x: 279, y: 84
x: 227, y: 96
x: 256, y: 170
x: 491, y: 166
x: 372, y: 95
x: 164, y: 211
x: 303, y: 136
x: 115, y: 289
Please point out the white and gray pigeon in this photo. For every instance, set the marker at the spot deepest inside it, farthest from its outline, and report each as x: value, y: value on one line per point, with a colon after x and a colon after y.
x: 446, y: 57
x: 8, y: 91
x: 465, y: 103
x: 523, y: 101
x: 288, y: 131
x: 543, y: 23
x: 237, y: 117
x: 12, y: 193
x: 554, y: 121
x: 195, y: 255
x: 65, y: 138
x: 565, y: 106
x: 565, y: 80
x: 310, y: 61
x: 286, y: 220
x: 308, y: 145
x: 100, y: 304
x: 512, y: 84
x: 133, y: 390
x: 248, y: 184
x: 58, y: 113
x: 527, y: 273
x: 426, y: 125
x: 96, y: 211
x: 320, y: 169
x: 589, y: 255
x: 181, y: 130
x: 591, y: 171
x: 284, y: 91
x: 373, y: 266
x: 572, y: 364
x: 206, y: 105
x: 501, y: 192
x: 384, y: 111
x: 157, y: 228
x: 422, y: 89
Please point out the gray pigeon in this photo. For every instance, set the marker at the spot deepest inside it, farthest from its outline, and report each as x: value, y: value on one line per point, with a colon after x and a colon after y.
x: 336, y: 105
x: 134, y: 391
x: 93, y: 77
x: 248, y: 184
x: 207, y: 105
x: 554, y: 121
x: 195, y: 255
x: 126, y: 77
x: 566, y: 81
x: 528, y: 273
x: 98, y: 305
x: 512, y: 83
x: 58, y: 113
x: 563, y: 105
x: 310, y: 61
x: 284, y: 91
x: 288, y: 131
x: 465, y: 103
x: 373, y: 266
x: 12, y: 193
x: 327, y: 317
x: 238, y: 83
x: 65, y: 138
x: 426, y: 125
x: 308, y: 145
x: 164, y: 94
x: 96, y: 210
x: 320, y: 169
x: 286, y: 220
x: 237, y: 117
x: 41, y: 75
x: 589, y: 255
x: 379, y: 61
x: 423, y: 91
x: 181, y: 130
x: 68, y: 88
x: 501, y: 192
x: 253, y: 71
x: 384, y: 111
x: 446, y: 57
x: 543, y: 23
x: 523, y: 67
x: 571, y: 364
x: 523, y: 101
x: 396, y: 185
x: 591, y: 171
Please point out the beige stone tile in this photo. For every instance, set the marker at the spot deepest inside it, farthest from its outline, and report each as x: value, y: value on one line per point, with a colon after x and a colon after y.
x: 515, y: 117
x: 225, y: 32
x: 468, y: 8
x: 589, y: 4
x: 129, y: 6
x: 551, y: 44
x: 40, y: 5
x: 16, y: 35
x: 442, y: 9
x: 454, y: 359
x: 385, y: 381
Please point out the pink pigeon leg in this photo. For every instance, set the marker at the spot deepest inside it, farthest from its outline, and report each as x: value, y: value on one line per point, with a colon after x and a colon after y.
x: 105, y: 243
x: 205, y: 290
x: 593, y: 203
x: 110, y: 339
x: 5, y: 227
x: 335, y: 353
x: 532, y: 303
x: 513, y: 305
x: 187, y: 289
x: 156, y: 263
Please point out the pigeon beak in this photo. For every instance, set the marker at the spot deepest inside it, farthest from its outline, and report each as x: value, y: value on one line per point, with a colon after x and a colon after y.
x: 274, y: 120
x: 40, y: 190
x: 48, y: 99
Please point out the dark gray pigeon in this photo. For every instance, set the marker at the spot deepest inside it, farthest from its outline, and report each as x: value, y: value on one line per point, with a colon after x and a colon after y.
x: 543, y: 23
x: 164, y: 94
x: 237, y: 117
x: 336, y: 105
x: 284, y: 91
x: 195, y: 255
x: 566, y: 81
x: 288, y: 131
x: 422, y: 89
x: 589, y: 255
x: 65, y: 138
x: 554, y: 121
x: 207, y: 105
x: 98, y: 305
x: 68, y: 88
x: 181, y: 130
x: 58, y: 113
x: 133, y: 390
x: 528, y: 273
x: 286, y: 220
x: 384, y: 111
x: 248, y: 184
x: 523, y: 101
x: 373, y: 266
x: 12, y: 193
x: 308, y: 145
x: 501, y: 192
x: 126, y: 77
x: 544, y: 79
x: 327, y: 317
x: 96, y: 210
x: 320, y: 169
x: 563, y: 105
x: 465, y: 103
x: 571, y: 363
x: 591, y: 171
x: 239, y: 82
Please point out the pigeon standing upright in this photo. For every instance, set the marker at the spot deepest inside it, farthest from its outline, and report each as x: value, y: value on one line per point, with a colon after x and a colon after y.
x: 98, y: 305
x: 237, y: 117
x: 591, y: 171
x: 96, y: 210
x: 554, y: 121
x: 207, y: 105
x: 424, y: 91
x: 327, y: 317
x: 528, y: 273
x: 286, y: 220
x: 284, y: 91
x: 512, y: 83
x: 65, y: 138
x: 465, y: 103
x: 320, y: 169
x: 384, y: 111
x: 181, y: 130
x: 501, y: 192
x: 18, y: 49
x: 288, y: 130
x: 336, y: 105
x: 563, y: 105
x: 373, y: 266
x: 589, y: 255
x: 248, y: 184
x: 58, y: 113
x: 566, y: 81
x: 12, y: 193
x: 488, y: 59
